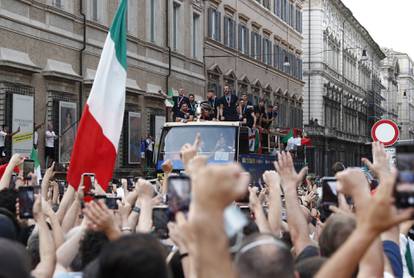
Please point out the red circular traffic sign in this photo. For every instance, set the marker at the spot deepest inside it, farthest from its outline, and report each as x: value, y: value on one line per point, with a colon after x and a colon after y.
x: 386, y: 132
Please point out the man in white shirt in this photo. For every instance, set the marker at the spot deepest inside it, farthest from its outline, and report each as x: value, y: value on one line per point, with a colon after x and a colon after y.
x: 4, y: 133
x: 36, y: 135
x: 50, y: 138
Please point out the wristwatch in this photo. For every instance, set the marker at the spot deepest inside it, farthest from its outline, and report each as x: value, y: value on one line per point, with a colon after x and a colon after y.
x: 136, y: 209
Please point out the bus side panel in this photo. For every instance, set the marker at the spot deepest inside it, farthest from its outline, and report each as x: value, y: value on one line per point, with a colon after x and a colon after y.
x: 256, y: 165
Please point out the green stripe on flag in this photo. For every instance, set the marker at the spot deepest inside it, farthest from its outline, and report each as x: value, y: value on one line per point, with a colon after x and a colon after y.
x: 286, y: 138
x: 118, y: 33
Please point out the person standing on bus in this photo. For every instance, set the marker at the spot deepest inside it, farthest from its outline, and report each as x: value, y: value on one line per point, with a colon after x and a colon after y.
x: 4, y: 134
x: 214, y: 103
x: 178, y: 102
x: 192, y: 104
x: 228, y: 106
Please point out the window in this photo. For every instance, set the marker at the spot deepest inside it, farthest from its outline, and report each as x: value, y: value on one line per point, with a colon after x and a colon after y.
x: 299, y: 21
x: 175, y: 26
x: 214, y: 24
x: 292, y: 15
x: 277, y: 7
x: 195, y: 35
x: 94, y: 10
x: 287, y: 18
x: 267, y: 51
x: 281, y: 59
x: 276, y: 50
x: 266, y: 4
x: 283, y: 9
x: 152, y: 20
x: 243, y: 39
x: 256, y: 46
x: 57, y: 3
x: 229, y: 32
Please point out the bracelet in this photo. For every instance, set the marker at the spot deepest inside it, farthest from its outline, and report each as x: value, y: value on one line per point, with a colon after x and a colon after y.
x: 136, y: 209
x: 182, y: 256
x: 126, y: 229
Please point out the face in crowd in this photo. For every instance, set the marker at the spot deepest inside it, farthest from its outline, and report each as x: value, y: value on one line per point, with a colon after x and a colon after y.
x: 184, y: 107
x: 210, y: 95
x: 181, y: 92
x: 226, y: 90
x: 191, y: 97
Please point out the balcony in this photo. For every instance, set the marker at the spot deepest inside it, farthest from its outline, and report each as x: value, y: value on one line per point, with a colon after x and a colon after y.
x: 320, y: 131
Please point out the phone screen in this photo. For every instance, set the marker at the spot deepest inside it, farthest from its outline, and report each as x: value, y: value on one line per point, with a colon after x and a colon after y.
x: 130, y: 183
x: 179, y: 194
x: 88, y: 183
x: 112, y: 202
x: 329, y: 194
x: 26, y: 201
x: 405, y: 185
x: 28, y: 167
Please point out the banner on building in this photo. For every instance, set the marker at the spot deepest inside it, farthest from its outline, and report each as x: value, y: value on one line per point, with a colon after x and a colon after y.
x: 134, y: 138
x: 67, y: 130
x: 22, y: 116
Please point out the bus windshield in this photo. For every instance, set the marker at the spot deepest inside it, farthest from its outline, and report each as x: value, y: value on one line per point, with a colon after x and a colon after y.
x: 218, y: 143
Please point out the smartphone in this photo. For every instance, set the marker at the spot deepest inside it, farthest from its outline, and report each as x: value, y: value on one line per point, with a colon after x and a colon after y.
x: 62, y: 186
x: 329, y: 194
x: 130, y: 183
x: 112, y: 202
x: 13, y: 181
x: 28, y: 167
x: 26, y: 201
x: 88, y: 181
x: 178, y: 195
x: 404, y: 190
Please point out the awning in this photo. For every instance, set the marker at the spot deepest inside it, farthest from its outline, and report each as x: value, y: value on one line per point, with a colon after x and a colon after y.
x: 17, y: 59
x: 60, y: 69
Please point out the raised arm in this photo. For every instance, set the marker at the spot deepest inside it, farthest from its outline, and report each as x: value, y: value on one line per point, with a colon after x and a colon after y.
x: 257, y: 209
x: 56, y: 228
x: 46, y: 180
x: 47, y: 248
x: 379, y: 216
x: 353, y: 183
x: 15, y: 161
x: 298, y: 226
x: 145, y: 193
x: 272, y: 179
x: 65, y: 203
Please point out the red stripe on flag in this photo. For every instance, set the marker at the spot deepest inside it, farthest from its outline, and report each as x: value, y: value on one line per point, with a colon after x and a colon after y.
x: 92, y: 153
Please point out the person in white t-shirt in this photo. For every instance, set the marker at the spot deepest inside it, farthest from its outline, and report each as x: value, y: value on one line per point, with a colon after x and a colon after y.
x: 50, y: 137
x: 36, y: 135
x: 4, y: 133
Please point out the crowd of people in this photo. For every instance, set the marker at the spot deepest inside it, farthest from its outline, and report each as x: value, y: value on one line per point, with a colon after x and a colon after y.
x: 226, y: 108
x: 286, y: 233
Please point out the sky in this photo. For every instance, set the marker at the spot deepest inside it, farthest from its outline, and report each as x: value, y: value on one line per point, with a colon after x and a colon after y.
x: 390, y: 22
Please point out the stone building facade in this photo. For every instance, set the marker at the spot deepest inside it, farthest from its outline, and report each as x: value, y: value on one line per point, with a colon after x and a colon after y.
x: 255, y: 47
x: 390, y: 72
x: 342, y: 95
x: 401, y: 95
x: 50, y: 49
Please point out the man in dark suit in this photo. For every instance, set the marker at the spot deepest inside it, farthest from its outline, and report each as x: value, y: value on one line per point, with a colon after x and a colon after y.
x: 228, y: 106
x: 179, y: 101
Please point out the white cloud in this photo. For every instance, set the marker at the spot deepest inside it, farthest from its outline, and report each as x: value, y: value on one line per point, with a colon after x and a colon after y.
x: 390, y: 23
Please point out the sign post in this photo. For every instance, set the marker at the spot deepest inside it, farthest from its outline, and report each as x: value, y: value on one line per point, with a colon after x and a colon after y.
x: 386, y: 132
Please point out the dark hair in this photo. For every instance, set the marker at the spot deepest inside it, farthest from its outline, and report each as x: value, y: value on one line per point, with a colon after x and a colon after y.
x: 139, y: 255
x: 33, y: 249
x: 191, y: 95
x: 14, y: 260
x: 8, y: 198
x: 268, y: 260
x: 308, y: 268
x: 91, y: 245
x: 338, y: 167
x: 335, y: 232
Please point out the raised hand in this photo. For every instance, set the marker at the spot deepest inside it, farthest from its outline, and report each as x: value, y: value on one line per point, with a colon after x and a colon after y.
x: 189, y: 151
x: 167, y: 167
x: 16, y: 160
x: 101, y: 219
x: 144, y: 189
x: 352, y: 181
x: 287, y: 172
x: 254, y: 201
x: 217, y: 186
x: 271, y: 178
x: 380, y: 165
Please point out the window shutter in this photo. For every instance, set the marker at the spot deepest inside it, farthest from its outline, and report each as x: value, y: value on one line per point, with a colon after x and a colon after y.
x: 218, y: 14
x: 233, y: 37
x: 259, y: 50
x: 226, y: 31
x: 239, y: 41
x: 246, y: 42
x: 210, y: 22
x: 253, y: 50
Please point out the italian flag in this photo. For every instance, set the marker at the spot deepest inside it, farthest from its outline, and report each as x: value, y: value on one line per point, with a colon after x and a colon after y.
x: 37, y: 170
x: 97, y: 139
x: 169, y: 102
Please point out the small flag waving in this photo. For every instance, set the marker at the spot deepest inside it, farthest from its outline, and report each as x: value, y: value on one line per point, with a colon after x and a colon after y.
x: 169, y: 101
x: 96, y: 143
x: 37, y: 170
